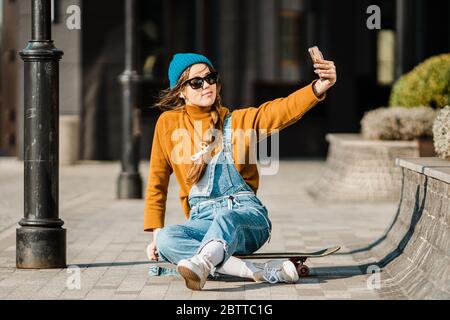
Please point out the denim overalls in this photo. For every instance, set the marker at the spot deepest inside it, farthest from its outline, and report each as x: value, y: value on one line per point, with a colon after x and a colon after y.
x: 223, y: 208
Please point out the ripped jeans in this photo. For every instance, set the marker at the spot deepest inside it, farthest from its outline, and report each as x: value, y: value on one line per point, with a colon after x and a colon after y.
x: 239, y: 221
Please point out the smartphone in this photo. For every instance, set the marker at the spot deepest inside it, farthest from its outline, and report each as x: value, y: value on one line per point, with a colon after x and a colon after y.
x: 315, y: 54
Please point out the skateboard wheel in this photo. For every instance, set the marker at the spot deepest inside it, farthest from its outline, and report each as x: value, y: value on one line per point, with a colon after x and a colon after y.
x: 302, y: 270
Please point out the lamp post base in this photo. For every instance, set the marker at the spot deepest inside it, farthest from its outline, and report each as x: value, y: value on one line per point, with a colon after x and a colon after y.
x: 129, y: 186
x: 40, y: 248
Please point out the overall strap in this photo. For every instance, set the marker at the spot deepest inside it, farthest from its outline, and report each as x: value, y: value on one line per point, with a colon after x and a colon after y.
x: 226, y: 138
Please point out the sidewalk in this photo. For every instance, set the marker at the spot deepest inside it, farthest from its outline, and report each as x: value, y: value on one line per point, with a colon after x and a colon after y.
x: 105, y: 239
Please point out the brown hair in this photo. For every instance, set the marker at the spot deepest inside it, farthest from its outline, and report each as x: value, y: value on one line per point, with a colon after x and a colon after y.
x: 169, y: 99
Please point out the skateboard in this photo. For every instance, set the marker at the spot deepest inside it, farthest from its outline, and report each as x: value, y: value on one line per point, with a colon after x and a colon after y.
x: 298, y: 258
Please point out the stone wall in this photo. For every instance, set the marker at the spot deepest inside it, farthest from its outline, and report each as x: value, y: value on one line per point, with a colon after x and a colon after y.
x: 414, y: 254
x: 359, y: 169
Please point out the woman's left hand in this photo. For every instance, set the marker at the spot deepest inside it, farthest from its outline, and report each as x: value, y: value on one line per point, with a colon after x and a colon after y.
x: 326, y: 70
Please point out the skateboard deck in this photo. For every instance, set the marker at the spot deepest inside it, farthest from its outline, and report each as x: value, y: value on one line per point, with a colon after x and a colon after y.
x: 298, y: 258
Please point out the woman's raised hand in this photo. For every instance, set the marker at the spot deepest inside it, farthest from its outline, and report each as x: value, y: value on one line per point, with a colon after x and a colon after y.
x: 326, y: 70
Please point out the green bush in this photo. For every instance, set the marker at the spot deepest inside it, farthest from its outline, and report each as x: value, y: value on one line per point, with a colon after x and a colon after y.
x: 398, y: 123
x: 441, y: 133
x: 428, y: 84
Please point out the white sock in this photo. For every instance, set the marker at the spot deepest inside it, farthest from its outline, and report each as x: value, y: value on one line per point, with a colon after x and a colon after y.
x: 239, y: 268
x: 214, y: 252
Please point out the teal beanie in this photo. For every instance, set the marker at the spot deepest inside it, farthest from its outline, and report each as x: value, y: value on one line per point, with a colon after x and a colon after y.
x: 180, y: 62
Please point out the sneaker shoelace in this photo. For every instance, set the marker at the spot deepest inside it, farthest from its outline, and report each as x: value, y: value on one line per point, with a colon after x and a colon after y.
x: 271, y: 274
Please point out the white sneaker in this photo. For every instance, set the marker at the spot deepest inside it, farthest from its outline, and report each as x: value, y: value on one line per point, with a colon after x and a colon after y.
x: 195, y: 271
x: 276, y: 271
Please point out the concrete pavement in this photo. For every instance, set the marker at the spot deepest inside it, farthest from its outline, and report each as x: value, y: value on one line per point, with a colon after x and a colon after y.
x: 106, y: 242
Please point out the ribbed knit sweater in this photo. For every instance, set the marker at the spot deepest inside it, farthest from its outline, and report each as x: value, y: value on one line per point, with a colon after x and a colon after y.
x: 272, y: 115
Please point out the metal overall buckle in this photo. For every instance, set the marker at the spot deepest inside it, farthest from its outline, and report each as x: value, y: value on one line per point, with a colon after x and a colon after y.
x: 232, y: 199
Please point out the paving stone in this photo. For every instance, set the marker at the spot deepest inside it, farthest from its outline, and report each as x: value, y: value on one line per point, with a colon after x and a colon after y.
x: 105, y: 239
x: 100, y: 294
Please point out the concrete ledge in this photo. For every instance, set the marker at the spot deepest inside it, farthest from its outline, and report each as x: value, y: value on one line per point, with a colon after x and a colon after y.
x: 433, y: 167
x: 364, y: 170
x: 355, y: 139
x: 415, y: 251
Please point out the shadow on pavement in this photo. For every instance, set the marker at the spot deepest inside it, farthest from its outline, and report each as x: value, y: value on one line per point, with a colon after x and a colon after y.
x: 415, y: 218
x: 383, y: 237
x: 112, y: 264
x: 321, y: 274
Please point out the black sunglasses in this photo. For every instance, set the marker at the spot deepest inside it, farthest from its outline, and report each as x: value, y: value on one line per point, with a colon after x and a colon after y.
x: 197, y: 82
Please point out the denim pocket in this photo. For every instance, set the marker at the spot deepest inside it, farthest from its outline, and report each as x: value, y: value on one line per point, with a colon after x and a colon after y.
x: 203, y: 212
x: 252, y: 200
x: 222, y: 181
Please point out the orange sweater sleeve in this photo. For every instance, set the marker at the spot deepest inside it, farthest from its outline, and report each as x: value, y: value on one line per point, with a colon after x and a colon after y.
x: 278, y: 113
x: 157, y: 182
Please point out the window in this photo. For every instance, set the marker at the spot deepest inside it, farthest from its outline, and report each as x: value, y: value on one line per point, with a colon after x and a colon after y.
x: 385, y: 57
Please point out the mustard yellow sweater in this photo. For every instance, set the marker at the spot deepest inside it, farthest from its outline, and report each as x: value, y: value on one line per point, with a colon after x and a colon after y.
x: 275, y: 114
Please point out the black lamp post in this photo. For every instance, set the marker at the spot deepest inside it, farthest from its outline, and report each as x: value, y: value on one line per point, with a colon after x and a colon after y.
x: 40, y: 239
x: 129, y: 181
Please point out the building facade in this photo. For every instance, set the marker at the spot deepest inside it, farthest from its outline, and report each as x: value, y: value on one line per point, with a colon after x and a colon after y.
x: 258, y: 46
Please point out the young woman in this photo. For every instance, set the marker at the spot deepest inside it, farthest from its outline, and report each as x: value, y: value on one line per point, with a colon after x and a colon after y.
x: 217, y: 189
